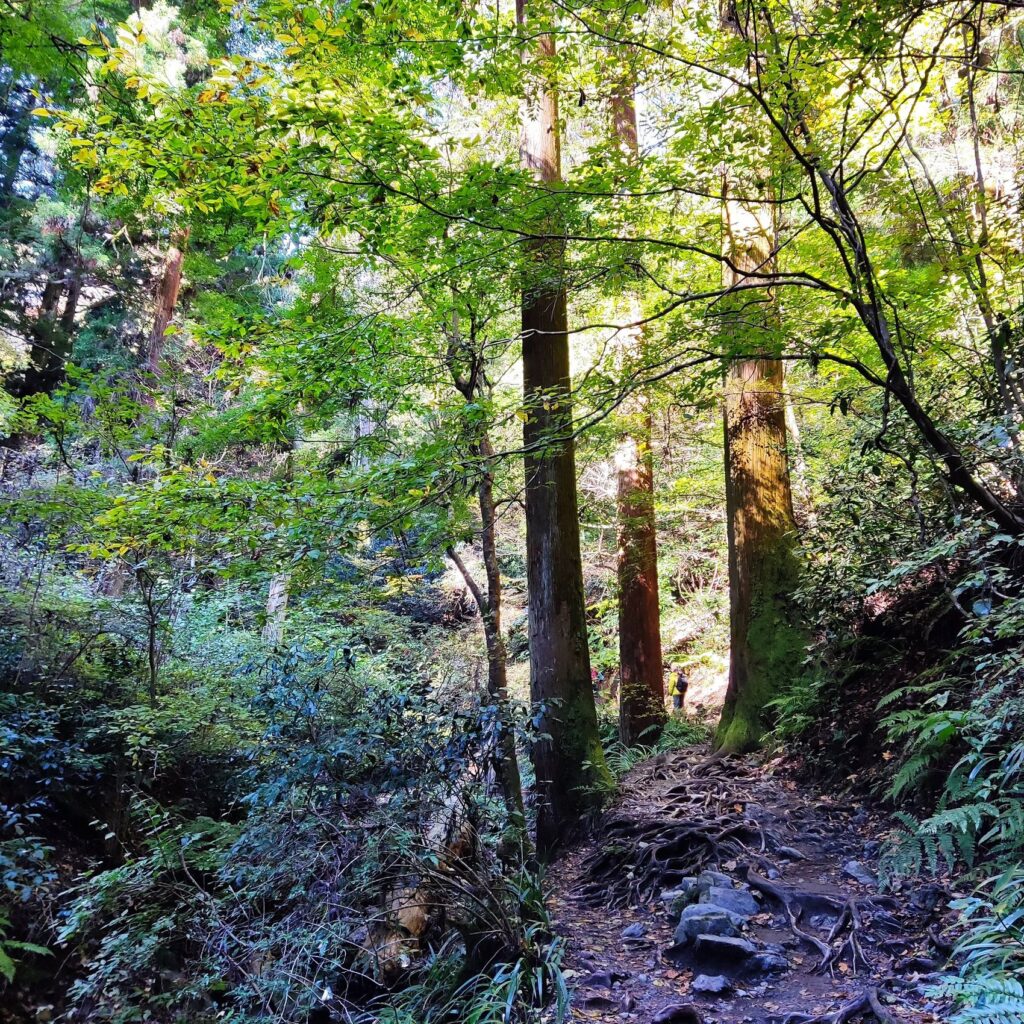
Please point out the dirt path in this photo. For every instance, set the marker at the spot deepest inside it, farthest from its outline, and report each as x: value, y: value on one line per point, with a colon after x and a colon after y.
x: 840, y: 952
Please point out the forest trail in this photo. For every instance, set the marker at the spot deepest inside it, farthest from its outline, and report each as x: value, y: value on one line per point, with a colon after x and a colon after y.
x: 618, y: 899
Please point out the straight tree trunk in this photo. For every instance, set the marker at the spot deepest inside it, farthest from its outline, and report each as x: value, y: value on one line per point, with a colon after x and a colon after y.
x: 74, y: 294
x: 472, y: 385
x: 50, y: 343
x: 14, y: 142
x: 567, y: 756
x: 642, y: 688
x: 279, y: 590
x: 766, y: 640
x: 489, y: 606
x: 166, y: 301
x: 277, y: 608
x: 497, y: 657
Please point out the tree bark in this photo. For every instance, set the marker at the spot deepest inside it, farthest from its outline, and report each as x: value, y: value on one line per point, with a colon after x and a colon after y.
x: 277, y: 608
x: 74, y: 293
x: 15, y: 140
x: 642, y: 688
x: 472, y: 385
x: 489, y: 606
x: 766, y: 642
x: 497, y: 658
x: 567, y: 755
x: 50, y: 343
x: 166, y: 302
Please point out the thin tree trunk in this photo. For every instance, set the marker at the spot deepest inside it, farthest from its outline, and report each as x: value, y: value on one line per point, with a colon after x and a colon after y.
x: 471, y: 386
x: 798, y: 462
x: 279, y: 590
x: 497, y: 658
x: 642, y: 690
x: 166, y: 302
x: 489, y: 606
x: 277, y: 608
x: 67, y: 316
x: 567, y: 756
x: 766, y: 643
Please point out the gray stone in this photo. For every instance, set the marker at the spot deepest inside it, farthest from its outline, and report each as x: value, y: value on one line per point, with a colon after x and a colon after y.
x: 927, y: 897
x: 706, y: 879
x: 791, y: 853
x: 603, y: 979
x: 736, y: 900
x: 685, y: 892
x: 678, y: 1013
x: 859, y: 873
x: 710, y: 984
x: 705, y: 919
x: 769, y: 963
x: 723, y: 947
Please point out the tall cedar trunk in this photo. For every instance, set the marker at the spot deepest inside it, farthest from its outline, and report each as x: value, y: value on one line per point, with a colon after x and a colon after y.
x: 166, y: 302
x: 766, y: 641
x: 569, y: 762
x: 642, y: 692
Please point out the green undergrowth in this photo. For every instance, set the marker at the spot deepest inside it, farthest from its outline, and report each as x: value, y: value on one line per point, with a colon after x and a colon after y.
x: 680, y: 730
x: 234, y: 849
x: 940, y: 710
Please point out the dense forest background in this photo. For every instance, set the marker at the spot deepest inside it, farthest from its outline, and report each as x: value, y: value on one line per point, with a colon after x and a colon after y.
x: 393, y: 391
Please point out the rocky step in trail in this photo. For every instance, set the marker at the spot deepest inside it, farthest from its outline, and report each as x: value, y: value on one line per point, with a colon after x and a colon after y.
x: 717, y: 891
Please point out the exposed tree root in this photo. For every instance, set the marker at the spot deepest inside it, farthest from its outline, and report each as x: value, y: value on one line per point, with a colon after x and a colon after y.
x: 789, y: 900
x: 866, y: 1002
x: 851, y: 918
x: 637, y: 859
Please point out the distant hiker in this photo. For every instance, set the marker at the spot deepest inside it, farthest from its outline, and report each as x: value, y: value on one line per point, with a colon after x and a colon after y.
x: 677, y: 684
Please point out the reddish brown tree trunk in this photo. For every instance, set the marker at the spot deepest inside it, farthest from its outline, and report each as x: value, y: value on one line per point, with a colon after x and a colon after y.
x: 642, y: 688
x: 568, y: 759
x: 166, y: 302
